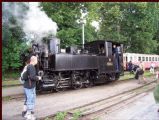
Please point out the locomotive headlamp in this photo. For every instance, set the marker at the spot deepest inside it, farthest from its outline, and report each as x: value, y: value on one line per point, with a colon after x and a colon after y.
x: 109, y: 63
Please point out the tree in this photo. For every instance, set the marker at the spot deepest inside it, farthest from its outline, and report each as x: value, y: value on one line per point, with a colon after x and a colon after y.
x: 111, y: 18
x: 13, y: 38
x: 66, y: 15
x: 131, y: 23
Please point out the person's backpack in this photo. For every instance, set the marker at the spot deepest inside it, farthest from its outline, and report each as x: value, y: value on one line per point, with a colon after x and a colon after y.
x: 24, y: 75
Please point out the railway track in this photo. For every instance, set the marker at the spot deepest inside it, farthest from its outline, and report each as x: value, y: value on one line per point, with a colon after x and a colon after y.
x: 21, y: 95
x: 95, y: 109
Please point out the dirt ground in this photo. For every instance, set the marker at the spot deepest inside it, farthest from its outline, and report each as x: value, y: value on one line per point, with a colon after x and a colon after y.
x: 144, y: 108
x: 10, y: 91
x: 54, y: 102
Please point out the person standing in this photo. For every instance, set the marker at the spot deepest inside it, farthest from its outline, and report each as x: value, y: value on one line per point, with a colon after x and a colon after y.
x: 116, y: 57
x: 130, y: 66
x: 140, y: 73
x: 152, y: 68
x: 30, y: 89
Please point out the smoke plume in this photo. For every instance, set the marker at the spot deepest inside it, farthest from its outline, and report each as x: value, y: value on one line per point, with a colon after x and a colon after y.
x: 34, y: 22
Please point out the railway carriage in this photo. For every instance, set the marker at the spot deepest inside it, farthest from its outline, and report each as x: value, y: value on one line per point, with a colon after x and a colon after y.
x: 147, y: 59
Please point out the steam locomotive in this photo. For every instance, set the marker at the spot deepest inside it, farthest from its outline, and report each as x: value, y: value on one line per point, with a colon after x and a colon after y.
x: 77, y: 67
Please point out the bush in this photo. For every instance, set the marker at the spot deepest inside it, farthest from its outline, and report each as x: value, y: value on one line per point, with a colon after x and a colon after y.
x: 60, y: 116
x: 76, y: 115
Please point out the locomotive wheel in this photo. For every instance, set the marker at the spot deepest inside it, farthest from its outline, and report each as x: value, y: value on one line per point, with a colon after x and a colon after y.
x: 77, y: 85
x: 57, y: 85
x: 114, y: 77
x: 117, y: 76
x: 77, y: 82
x: 89, y: 84
x: 59, y: 89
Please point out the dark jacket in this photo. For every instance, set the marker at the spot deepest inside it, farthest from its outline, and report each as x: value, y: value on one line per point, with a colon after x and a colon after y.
x: 32, y: 78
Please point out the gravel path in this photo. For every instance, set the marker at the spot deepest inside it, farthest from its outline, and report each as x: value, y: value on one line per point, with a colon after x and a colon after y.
x: 9, y: 91
x: 144, y: 108
x: 52, y: 103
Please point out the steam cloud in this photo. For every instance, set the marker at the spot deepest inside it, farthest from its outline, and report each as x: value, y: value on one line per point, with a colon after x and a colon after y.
x: 34, y: 22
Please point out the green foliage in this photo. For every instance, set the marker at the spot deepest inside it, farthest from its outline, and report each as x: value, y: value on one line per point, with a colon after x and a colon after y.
x: 11, y: 75
x: 7, y: 98
x: 11, y: 54
x: 111, y: 19
x: 13, y: 38
x: 60, y: 116
x: 10, y: 82
x: 135, y: 24
x: 66, y: 15
x: 76, y: 115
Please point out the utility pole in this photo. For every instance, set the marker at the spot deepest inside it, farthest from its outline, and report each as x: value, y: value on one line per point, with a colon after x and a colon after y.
x: 83, y: 35
x: 83, y: 21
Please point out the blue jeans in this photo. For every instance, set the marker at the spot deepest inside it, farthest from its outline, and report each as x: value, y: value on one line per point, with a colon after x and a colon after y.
x: 30, y: 95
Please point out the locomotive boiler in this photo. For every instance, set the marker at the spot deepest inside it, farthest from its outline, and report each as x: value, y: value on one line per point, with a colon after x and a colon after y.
x: 97, y: 63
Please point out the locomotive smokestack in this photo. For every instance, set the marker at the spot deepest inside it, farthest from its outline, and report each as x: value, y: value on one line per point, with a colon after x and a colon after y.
x: 54, y: 45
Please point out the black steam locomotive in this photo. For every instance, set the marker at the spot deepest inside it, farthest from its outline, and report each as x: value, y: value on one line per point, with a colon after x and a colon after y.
x: 95, y: 63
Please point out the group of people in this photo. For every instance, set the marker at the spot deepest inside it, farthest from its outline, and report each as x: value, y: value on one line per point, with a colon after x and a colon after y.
x: 139, y: 74
x: 138, y: 70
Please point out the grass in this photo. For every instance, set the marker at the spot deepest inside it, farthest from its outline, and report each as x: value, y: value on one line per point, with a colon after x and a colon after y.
x: 76, y: 115
x: 10, y: 82
x: 11, y: 78
x: 7, y: 98
x: 11, y: 75
x: 129, y: 76
x: 63, y: 116
x: 60, y: 116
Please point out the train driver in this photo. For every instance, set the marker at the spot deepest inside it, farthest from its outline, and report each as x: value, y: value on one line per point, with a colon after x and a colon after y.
x: 116, y: 57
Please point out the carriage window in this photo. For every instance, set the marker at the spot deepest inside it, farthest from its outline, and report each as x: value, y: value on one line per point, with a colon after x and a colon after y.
x: 130, y: 58
x: 152, y: 58
x: 158, y: 58
x: 146, y: 58
x: 155, y: 58
x: 149, y: 58
x: 135, y: 58
x: 139, y: 58
x: 143, y: 58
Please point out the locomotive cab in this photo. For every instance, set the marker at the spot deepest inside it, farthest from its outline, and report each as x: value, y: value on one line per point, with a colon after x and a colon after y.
x: 110, y: 55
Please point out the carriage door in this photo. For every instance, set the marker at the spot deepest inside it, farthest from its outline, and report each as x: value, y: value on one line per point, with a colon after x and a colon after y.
x: 121, y: 60
x: 109, y: 57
